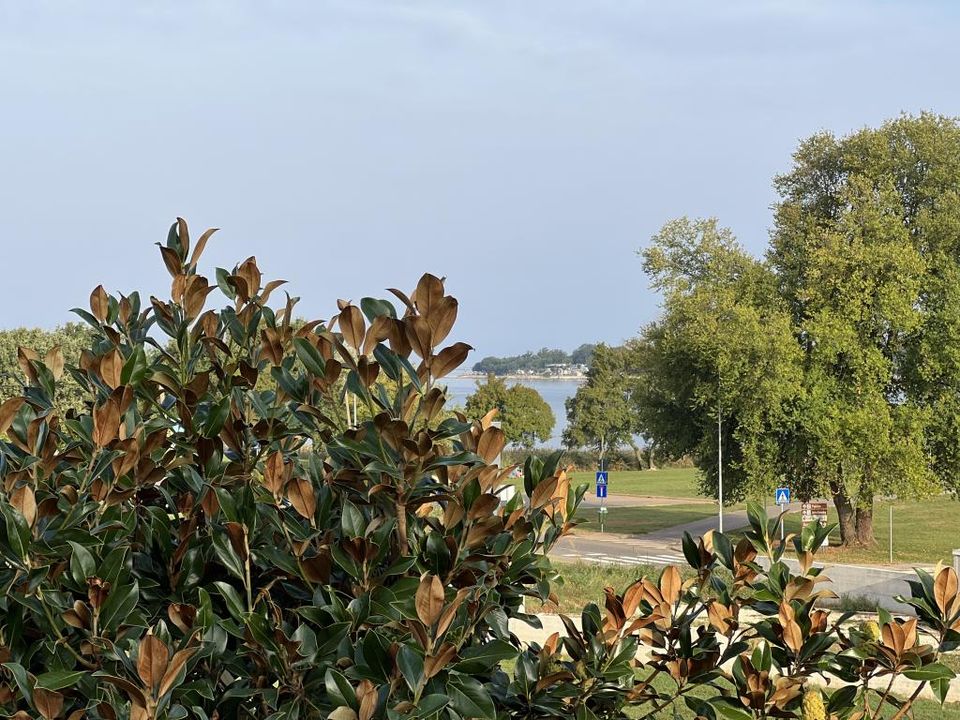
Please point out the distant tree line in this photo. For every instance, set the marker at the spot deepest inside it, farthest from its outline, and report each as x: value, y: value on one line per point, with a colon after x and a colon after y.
x: 534, y: 362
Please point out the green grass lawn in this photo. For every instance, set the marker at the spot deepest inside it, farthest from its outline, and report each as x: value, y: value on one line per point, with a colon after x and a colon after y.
x: 640, y: 520
x: 669, y: 482
x: 584, y: 583
x: 924, y: 532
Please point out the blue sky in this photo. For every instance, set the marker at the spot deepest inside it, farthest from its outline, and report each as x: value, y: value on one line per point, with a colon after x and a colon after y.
x: 523, y: 149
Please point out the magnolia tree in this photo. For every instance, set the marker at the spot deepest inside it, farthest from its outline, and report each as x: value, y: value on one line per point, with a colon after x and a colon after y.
x: 213, y: 535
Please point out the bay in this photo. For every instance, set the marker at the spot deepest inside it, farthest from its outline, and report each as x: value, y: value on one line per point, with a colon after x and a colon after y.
x: 554, y: 392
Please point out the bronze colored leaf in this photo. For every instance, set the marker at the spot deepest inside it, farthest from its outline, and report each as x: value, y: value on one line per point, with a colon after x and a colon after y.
x: 436, y: 662
x: 111, y: 368
x: 250, y: 274
x: 274, y: 476
x: 238, y: 539
x: 399, y: 342
x: 8, y: 411
x: 272, y: 345
x: 487, y: 420
x: 719, y: 616
x: 301, y: 495
x: 453, y: 514
x: 632, y: 598
x: 419, y: 335
x: 195, y: 295
x: 177, y: 663
x: 402, y: 296
x: 268, y: 290
x: 491, y: 444
x: 342, y: 713
x: 449, y: 359
x: 178, y: 287
x: 152, y: 661
x: 443, y: 315
x: 483, y: 506
x: 542, y: 493
x: 99, y: 303
x: 24, y: 501
x: 670, y: 584
x: 429, y: 292
x: 379, y: 331
x: 54, y: 362
x: 172, y: 261
x: 182, y: 616
x: 450, y: 611
x: 367, y: 695
x: 368, y: 371
x: 352, y: 326
x: 429, y: 599
x: 793, y: 636
x: 25, y: 358
x: 48, y: 703
x: 945, y: 589
x: 201, y: 244
x: 106, y: 421
x: 909, y: 633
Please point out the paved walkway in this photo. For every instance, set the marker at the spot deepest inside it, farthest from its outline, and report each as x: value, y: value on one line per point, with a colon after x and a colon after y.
x: 880, y: 585
x: 590, y: 501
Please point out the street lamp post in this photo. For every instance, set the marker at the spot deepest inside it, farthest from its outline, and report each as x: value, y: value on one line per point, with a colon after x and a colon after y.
x: 720, y: 461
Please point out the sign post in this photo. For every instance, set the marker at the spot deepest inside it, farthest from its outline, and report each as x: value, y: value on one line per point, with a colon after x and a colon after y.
x: 782, y: 497
x: 602, y: 476
x: 815, y: 511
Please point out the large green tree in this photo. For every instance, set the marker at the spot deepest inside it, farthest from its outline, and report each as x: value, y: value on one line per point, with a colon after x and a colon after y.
x: 602, y: 414
x: 866, y: 246
x: 722, y: 358
x: 527, y: 418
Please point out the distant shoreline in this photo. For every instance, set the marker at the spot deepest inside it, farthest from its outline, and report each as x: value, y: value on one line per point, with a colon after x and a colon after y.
x: 514, y: 376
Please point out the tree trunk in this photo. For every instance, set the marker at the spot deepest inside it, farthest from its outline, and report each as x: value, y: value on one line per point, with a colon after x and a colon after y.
x: 650, y: 463
x: 865, y: 525
x: 846, y: 514
x: 637, y: 454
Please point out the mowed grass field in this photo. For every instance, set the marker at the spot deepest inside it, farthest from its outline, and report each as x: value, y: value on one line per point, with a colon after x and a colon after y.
x: 641, y: 520
x: 668, y: 482
x: 924, y: 532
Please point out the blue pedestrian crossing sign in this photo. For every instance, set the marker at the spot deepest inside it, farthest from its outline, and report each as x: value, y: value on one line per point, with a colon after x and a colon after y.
x: 601, y: 477
x: 601, y: 491
x: 783, y: 496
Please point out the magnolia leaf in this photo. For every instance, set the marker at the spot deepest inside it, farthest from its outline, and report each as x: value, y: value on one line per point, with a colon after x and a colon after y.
x: 24, y: 501
x: 301, y: 496
x: 152, y: 661
x: 449, y: 359
x: 8, y: 411
x: 429, y: 599
x: 99, y: 303
x: 945, y: 589
x: 491, y: 444
x: 49, y: 703
x: 175, y: 671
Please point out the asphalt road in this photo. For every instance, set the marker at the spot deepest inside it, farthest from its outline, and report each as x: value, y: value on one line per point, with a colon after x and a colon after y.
x: 876, y: 584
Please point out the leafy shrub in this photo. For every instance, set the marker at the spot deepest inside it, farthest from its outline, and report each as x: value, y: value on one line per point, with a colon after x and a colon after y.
x: 182, y: 548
